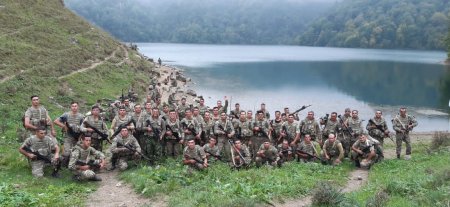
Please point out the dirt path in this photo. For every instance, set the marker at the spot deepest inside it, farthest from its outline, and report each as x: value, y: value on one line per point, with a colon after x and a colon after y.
x: 113, y: 192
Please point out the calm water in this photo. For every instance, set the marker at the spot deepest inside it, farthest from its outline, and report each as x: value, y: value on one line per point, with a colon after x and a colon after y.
x: 330, y: 79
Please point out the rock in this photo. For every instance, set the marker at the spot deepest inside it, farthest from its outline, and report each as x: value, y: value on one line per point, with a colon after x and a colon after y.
x: 118, y: 184
x: 191, y: 92
x: 359, y: 178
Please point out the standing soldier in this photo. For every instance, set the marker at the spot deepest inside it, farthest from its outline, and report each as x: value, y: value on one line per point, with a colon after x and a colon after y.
x: 310, y: 126
x: 194, y: 156
x: 155, y: 129
x: 261, y: 132
x: 93, y: 124
x: 250, y: 116
x: 84, y: 160
x: 37, y: 116
x: 123, y: 148
x: 139, y: 118
x: 208, y: 125
x: 202, y: 107
x: 190, y: 126
x: 215, y: 115
x: 307, y: 150
x: 332, y: 151
x: 165, y: 112
x: 237, y: 110
x: 39, y: 150
x: 331, y: 126
x: 174, y: 136
x: 378, y: 128
x: 267, y: 153
x: 347, y: 114
x: 181, y: 109
x: 276, y: 126
x: 70, y: 122
x: 265, y: 112
x: 224, y: 131
x: 121, y: 120
x: 203, y: 137
x: 222, y: 108
x: 403, y: 124
x: 290, y: 131
x: 244, y: 129
x: 355, y: 124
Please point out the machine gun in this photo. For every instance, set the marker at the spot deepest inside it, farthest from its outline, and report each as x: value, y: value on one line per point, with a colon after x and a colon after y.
x: 131, y: 149
x: 103, y: 136
x: 346, y: 128
x: 92, y: 164
x: 193, y: 158
x: 379, y: 127
x: 216, y: 156
x: 191, y: 129
x: 301, y: 109
x: 175, y: 134
x: 309, y: 155
x: 45, y: 159
x: 121, y: 127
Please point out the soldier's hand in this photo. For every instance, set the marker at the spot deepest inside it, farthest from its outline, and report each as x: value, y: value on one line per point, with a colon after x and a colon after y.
x: 31, y: 156
x: 89, y: 130
x: 205, y: 164
x: 327, y: 157
x: 136, y: 156
x: 229, y: 136
x: 192, y: 161
x: 102, y: 165
x: 337, y: 161
x: 360, y: 152
x: 169, y: 133
x: 181, y: 141
x: 256, y: 128
x: 83, y: 167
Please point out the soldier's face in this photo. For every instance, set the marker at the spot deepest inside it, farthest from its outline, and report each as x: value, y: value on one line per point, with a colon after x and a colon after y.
x: 191, y: 144
x: 242, y: 116
x: 87, y: 142
x: 122, y: 112
x: 126, y: 102
x: 95, y: 111
x: 188, y: 114
x: 155, y: 112
x: 285, y: 144
x: 310, y: 115
x: 331, y: 139
x: 266, y: 145
x: 40, y: 134
x: 378, y: 114
x: 238, y: 145
x: 263, y: 106
x: 355, y: 114
x: 333, y: 117
x: 207, y: 116
x: 212, y: 141
x: 137, y: 109
x: 307, y: 138
x: 202, y: 102
x: 172, y: 115
x: 290, y: 119
x: 219, y: 103
x: 223, y: 116
x: 402, y: 112
x: 124, y: 132
x: 74, y: 107
x: 278, y: 115
x: 35, y: 101
x: 260, y: 116
x: 348, y: 112
x: 196, y: 112
x: 237, y: 106
x: 249, y: 115
x: 362, y: 138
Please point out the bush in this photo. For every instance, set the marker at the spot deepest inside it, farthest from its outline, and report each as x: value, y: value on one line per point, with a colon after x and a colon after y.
x: 326, y: 194
x: 378, y: 200
x: 440, y: 139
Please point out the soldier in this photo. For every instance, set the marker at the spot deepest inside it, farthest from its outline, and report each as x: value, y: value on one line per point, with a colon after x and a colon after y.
x: 261, y: 132
x: 148, y: 108
x: 222, y: 108
x: 363, y: 152
x: 347, y: 114
x: 70, y: 122
x: 235, y: 113
x: 286, y: 112
x: 39, y: 150
x: 331, y: 126
x: 165, y: 112
x: 244, y: 129
x: 37, y: 116
x: 128, y: 107
x: 355, y: 124
x: 202, y: 107
x: 403, y: 124
x: 310, y: 126
x: 190, y: 126
x: 290, y: 131
x: 207, y: 125
x: 91, y: 125
x: 174, y: 136
x: 250, y: 116
x: 240, y: 155
x: 267, y: 153
x: 215, y: 115
x: 122, y: 119
x: 307, y: 150
x: 155, y: 128
x: 378, y: 128
x: 172, y: 101
x: 124, y: 147
x: 211, y: 150
x: 181, y: 109
x: 203, y: 137
x: 276, y: 126
x: 194, y: 156
x: 224, y: 131
x: 265, y: 112
x: 139, y: 119
x: 285, y: 151
x: 85, y: 160
x: 332, y: 151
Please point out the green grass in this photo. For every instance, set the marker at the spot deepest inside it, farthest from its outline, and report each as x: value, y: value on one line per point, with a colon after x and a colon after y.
x: 221, y: 186
x: 422, y: 181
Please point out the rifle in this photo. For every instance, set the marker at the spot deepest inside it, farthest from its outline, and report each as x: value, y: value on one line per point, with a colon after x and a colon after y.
x: 175, y: 134
x: 121, y: 127
x: 379, y: 127
x: 102, y: 135
x: 346, y: 128
x: 325, y: 120
x: 70, y: 130
x: 91, y: 163
x: 301, y: 109
x: 156, y: 131
x: 131, y: 149
x: 192, y: 130
x: 284, y: 128
x: 216, y: 156
x: 43, y: 158
x: 193, y: 158
x: 403, y: 126
x: 221, y: 128
x: 366, y: 149
x: 310, y: 155
x: 239, y: 134
x: 234, y: 147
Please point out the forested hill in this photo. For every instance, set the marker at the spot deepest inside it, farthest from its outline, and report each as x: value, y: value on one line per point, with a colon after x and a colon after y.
x: 407, y: 24
x: 199, y: 21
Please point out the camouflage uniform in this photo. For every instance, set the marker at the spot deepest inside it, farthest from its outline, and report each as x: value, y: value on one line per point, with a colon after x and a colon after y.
x: 356, y: 126
x: 284, y: 153
x: 224, y: 108
x: 259, y: 137
x: 222, y: 139
x: 120, y: 155
x: 331, y: 127
x: 245, y: 153
x: 270, y: 156
x: 118, y: 121
x: 245, y: 130
x: 202, y: 109
x: 291, y: 132
x: 181, y: 110
x: 99, y: 123
x: 153, y: 146
x: 139, y: 120
x: 70, y: 140
x: 375, y: 132
x: 276, y: 127
x: 173, y: 146
x: 84, y: 155
x: 401, y: 123
x: 366, y: 147
x: 192, y: 125
x: 334, y: 151
x: 208, y: 128
x: 38, y: 118
x: 197, y: 153
x: 310, y: 148
x: 45, y: 147
x: 211, y: 152
x: 310, y: 127
x: 203, y: 136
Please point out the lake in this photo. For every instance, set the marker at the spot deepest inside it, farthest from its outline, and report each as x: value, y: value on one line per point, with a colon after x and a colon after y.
x: 330, y: 79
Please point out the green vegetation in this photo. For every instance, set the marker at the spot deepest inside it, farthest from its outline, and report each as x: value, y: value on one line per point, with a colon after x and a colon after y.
x: 213, y: 21
x: 408, y: 24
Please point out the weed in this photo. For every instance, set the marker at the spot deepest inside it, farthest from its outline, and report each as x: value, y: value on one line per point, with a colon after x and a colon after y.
x: 326, y: 194
x: 440, y: 139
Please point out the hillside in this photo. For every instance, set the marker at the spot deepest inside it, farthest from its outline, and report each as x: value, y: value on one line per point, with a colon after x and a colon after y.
x: 197, y: 21
x: 405, y: 24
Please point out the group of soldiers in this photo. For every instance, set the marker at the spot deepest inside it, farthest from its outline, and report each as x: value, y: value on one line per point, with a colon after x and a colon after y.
x: 202, y: 135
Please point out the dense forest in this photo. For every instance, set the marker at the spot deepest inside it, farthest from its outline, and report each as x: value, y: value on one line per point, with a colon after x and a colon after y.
x: 198, y: 21
x: 409, y: 24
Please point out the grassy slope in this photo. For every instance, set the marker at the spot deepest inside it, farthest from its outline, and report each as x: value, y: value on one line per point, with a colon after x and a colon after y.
x: 40, y: 41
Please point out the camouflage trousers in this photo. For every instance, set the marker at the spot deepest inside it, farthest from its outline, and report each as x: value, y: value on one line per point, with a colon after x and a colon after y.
x: 152, y: 148
x: 399, y: 139
x: 37, y: 166
x: 84, y: 174
x: 256, y: 143
x: 224, y: 147
x: 69, y: 143
x: 273, y: 161
x: 119, y: 160
x: 97, y: 144
x: 345, y: 139
x: 173, y: 148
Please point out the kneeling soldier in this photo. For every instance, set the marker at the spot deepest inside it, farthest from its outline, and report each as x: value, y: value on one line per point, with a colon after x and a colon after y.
x: 267, y: 153
x: 194, y: 156
x: 123, y: 148
x: 39, y: 150
x: 363, y: 151
x: 332, y: 151
x: 240, y: 154
x: 84, y: 160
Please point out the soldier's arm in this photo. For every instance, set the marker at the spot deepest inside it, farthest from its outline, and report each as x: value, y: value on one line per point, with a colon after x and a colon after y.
x: 136, y: 145
x: 414, y: 122
x: 26, y: 143
x: 163, y: 128
x: 397, y: 126
x: 369, y: 126
x: 59, y: 122
x: 341, y: 151
x: 113, y: 126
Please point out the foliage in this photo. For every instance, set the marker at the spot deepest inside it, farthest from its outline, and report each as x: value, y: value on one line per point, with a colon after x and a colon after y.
x: 222, y: 186
x: 326, y: 194
x: 408, y: 24
x: 216, y: 21
x: 440, y: 140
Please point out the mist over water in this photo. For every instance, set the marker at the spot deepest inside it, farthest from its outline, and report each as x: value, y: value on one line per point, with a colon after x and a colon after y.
x: 330, y: 79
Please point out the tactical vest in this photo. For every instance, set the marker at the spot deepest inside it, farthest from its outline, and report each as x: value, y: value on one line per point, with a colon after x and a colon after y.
x: 291, y: 130
x: 330, y: 128
x: 97, y: 124
x: 332, y: 149
x: 120, y: 121
x: 38, y: 117
x: 309, y: 127
x: 42, y: 146
x: 355, y: 125
x: 246, y: 128
x: 155, y: 124
x: 175, y: 126
x: 193, y: 153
